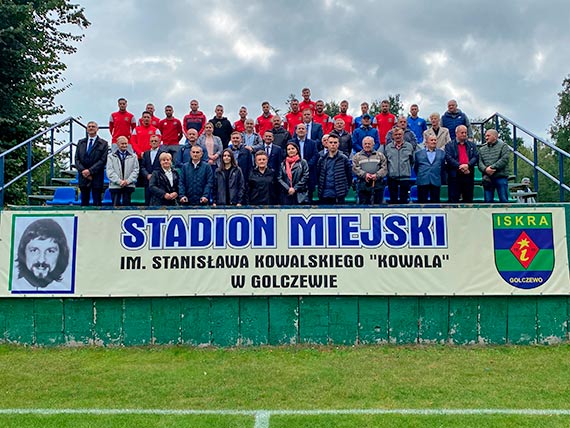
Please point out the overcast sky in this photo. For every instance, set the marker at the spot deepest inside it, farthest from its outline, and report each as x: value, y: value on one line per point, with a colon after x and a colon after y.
x: 506, y: 56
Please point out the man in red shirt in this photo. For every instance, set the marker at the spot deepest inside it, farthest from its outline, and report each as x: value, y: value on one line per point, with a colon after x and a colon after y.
x: 294, y: 117
x: 239, y: 125
x: 263, y: 122
x: 322, y: 118
x: 195, y: 119
x: 384, y: 121
x: 171, y: 130
x: 153, y: 120
x: 307, y: 102
x: 121, y: 123
x: 140, y: 139
x: 344, y: 116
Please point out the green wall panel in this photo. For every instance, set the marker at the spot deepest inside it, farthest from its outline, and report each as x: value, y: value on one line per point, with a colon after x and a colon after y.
x: 283, y: 320
x: 314, y: 320
x: 254, y: 321
x: 404, y: 319
x: 137, y: 327
x: 463, y: 320
x: 521, y: 320
x: 343, y: 320
x: 19, y: 320
x: 373, y: 320
x: 195, y: 320
x: 552, y: 316
x: 108, y: 321
x: 434, y: 319
x: 224, y: 321
x: 493, y: 320
x: 166, y: 321
x: 78, y: 321
x: 48, y: 320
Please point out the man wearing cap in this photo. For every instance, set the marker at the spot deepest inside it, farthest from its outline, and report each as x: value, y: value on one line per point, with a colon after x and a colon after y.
x: 365, y: 130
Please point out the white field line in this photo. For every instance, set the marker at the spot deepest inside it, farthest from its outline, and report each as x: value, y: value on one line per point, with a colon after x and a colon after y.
x: 264, y: 415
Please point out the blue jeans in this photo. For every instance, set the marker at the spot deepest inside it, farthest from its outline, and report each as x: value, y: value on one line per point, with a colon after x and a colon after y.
x: 501, y: 184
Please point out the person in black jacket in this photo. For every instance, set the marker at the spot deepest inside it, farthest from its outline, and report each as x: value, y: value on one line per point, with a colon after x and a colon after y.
x: 262, y: 185
x: 222, y: 126
x: 229, y: 186
x: 164, y: 182
x: 241, y: 154
x: 150, y: 162
x: 90, y: 161
x: 334, y: 174
x: 461, y: 157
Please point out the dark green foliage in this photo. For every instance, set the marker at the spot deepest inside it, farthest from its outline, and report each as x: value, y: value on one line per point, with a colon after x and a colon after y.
x: 32, y: 44
x: 396, y: 106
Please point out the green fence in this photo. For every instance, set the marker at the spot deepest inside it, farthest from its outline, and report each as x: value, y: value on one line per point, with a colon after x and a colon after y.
x: 244, y: 321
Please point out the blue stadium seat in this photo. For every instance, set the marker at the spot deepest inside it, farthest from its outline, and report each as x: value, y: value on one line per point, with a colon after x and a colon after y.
x: 63, y: 196
x: 75, y: 181
x: 414, y: 193
x: 78, y: 201
x: 107, y: 200
x: 386, y: 195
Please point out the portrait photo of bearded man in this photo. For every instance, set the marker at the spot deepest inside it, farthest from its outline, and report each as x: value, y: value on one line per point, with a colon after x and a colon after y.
x: 42, y: 258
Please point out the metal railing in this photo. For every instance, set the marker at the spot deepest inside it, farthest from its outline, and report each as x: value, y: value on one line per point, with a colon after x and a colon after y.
x: 53, y: 148
x: 518, y: 132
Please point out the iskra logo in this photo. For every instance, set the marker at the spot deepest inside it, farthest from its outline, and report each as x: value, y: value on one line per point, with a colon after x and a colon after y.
x: 524, y: 248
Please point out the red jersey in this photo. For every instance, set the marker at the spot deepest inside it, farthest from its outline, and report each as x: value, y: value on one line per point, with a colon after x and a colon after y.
x: 325, y: 121
x: 263, y: 124
x: 347, y: 121
x: 154, y: 121
x: 171, y: 131
x: 121, y: 123
x: 384, y: 122
x: 195, y: 121
x: 140, y: 139
x: 307, y: 104
x: 239, y: 125
x: 292, y: 120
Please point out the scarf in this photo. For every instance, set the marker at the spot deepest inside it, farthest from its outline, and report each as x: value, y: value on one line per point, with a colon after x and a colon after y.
x: 289, y: 161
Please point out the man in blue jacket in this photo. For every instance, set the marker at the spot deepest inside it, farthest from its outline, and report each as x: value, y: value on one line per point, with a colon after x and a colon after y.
x: 196, y: 179
x: 428, y: 164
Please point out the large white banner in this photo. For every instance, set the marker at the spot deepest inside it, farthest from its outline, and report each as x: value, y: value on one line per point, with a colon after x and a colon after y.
x: 272, y: 252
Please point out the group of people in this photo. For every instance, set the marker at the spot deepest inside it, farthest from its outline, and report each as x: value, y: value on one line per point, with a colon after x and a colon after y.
x: 291, y: 160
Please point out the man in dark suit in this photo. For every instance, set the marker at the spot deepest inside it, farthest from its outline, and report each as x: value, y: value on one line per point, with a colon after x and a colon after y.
x: 274, y: 152
x: 90, y: 161
x: 242, y: 155
x: 461, y: 157
x: 314, y: 129
x: 308, y: 151
x: 150, y: 162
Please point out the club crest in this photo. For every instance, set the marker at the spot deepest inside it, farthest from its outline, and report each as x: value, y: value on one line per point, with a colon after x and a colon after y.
x: 524, y: 248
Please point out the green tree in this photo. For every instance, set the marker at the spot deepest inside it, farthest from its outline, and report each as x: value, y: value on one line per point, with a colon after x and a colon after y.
x: 332, y: 108
x: 396, y: 106
x: 34, y: 35
x: 560, y: 128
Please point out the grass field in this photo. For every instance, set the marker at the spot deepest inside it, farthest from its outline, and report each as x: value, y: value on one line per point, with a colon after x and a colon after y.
x: 297, y: 386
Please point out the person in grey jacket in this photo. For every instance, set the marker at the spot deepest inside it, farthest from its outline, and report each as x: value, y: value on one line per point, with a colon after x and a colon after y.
x: 122, y: 171
x: 369, y: 166
x: 429, y: 163
x: 229, y: 185
x: 400, y: 159
x: 494, y: 161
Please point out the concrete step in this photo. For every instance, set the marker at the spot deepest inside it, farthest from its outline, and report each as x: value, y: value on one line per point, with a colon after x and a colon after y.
x: 62, y: 181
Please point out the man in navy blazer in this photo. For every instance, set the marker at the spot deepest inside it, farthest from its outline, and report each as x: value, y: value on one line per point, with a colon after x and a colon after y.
x: 462, y: 157
x: 314, y: 129
x: 428, y: 164
x: 308, y: 151
x: 90, y: 161
x: 150, y: 162
x: 274, y: 152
